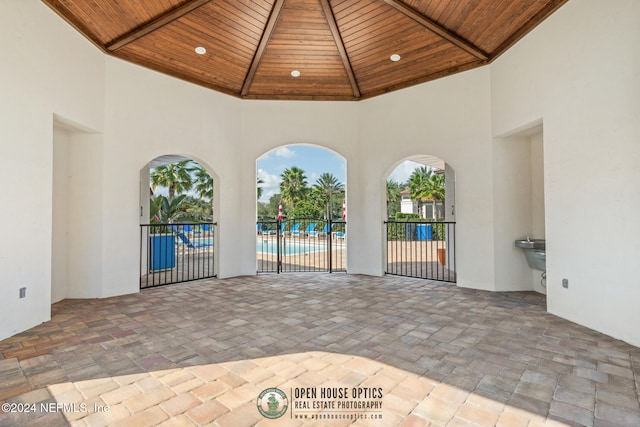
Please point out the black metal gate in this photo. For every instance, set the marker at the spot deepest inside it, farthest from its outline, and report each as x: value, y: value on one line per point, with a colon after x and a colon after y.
x: 175, y: 253
x: 301, y: 245
x: 421, y: 249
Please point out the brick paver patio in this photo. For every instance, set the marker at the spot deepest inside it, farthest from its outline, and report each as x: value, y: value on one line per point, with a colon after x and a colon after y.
x: 202, y: 353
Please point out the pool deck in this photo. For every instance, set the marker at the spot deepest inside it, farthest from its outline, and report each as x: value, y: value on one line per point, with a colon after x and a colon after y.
x: 201, y: 353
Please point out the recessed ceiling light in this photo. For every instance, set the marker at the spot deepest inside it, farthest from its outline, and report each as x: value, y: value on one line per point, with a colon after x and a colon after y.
x: 395, y: 57
x: 295, y: 73
x: 200, y: 50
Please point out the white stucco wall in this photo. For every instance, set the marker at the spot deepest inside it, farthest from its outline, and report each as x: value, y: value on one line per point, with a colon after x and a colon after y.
x: 149, y: 115
x: 512, y: 211
x: 580, y: 72
x: 560, y: 74
x: 518, y: 209
x: 77, y: 221
x: 449, y: 119
x: 536, y: 143
x: 60, y: 214
x: 46, y: 68
x: 269, y: 124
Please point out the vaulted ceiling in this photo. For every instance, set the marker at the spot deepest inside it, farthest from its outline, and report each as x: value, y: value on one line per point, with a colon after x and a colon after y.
x: 341, y: 49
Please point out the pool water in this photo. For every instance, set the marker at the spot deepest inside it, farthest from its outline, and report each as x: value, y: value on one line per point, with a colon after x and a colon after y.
x: 291, y: 247
x: 199, y: 241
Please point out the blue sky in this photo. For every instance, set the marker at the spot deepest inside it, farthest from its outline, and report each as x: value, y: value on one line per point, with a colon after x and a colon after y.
x: 314, y: 161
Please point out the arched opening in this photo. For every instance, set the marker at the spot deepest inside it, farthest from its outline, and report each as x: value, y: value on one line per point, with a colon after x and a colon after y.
x: 177, y: 227
x: 301, y: 210
x: 420, y: 224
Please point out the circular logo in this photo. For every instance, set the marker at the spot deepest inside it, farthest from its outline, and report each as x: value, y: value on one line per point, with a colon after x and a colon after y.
x: 272, y: 403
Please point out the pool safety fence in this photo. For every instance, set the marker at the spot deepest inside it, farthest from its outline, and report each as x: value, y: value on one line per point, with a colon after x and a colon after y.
x: 421, y: 249
x: 301, y: 245
x: 176, y: 253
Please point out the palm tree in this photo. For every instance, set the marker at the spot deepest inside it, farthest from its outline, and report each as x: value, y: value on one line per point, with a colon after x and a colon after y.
x: 259, y: 192
x: 393, y: 196
x: 437, y: 191
x: 165, y: 211
x: 326, y: 187
x: 420, y: 185
x: 198, y: 209
x: 203, y: 182
x: 293, y: 186
x: 175, y: 176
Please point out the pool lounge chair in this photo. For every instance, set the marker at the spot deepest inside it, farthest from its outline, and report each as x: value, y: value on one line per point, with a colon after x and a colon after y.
x: 273, y: 232
x: 316, y: 234
x: 306, y: 231
x: 190, y: 229
x: 193, y: 245
x: 184, y: 228
x: 294, y: 230
x: 207, y: 230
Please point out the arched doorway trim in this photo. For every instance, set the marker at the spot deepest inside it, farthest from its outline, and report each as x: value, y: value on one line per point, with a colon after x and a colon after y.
x: 420, y: 242
x: 177, y: 229
x: 303, y: 227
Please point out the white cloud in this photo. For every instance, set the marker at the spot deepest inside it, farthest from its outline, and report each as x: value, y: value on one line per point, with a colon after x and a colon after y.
x: 285, y: 152
x: 271, y: 185
x: 160, y: 191
x: 312, y: 178
x: 403, y: 171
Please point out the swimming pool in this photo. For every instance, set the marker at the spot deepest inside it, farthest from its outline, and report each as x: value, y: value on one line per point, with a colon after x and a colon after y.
x: 202, y: 241
x: 291, y: 247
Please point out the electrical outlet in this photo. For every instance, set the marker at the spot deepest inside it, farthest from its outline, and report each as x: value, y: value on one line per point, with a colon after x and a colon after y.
x: 23, y: 292
x: 565, y: 283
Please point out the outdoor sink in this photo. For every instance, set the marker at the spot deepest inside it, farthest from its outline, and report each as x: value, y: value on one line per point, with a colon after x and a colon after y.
x: 534, y: 251
x: 531, y: 243
x: 536, y: 259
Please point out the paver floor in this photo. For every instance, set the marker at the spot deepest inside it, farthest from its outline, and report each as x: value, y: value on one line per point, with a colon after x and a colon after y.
x: 343, y: 350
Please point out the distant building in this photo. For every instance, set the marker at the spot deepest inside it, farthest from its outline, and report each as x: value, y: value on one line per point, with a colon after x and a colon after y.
x: 409, y: 206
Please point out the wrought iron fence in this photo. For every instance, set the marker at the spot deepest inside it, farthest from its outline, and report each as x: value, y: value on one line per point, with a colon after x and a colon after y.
x: 175, y: 253
x: 301, y: 245
x: 421, y: 249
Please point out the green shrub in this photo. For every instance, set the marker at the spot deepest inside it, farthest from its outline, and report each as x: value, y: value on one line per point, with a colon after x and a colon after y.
x: 401, y: 216
x: 405, y: 229
x: 438, y: 231
x: 395, y: 231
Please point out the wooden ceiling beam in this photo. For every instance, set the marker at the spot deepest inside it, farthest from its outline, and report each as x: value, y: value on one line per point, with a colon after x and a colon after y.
x: 438, y: 29
x: 331, y: 20
x: 156, y: 23
x: 266, y: 36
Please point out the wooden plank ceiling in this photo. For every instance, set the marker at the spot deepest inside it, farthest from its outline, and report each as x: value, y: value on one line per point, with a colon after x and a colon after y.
x: 341, y: 48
